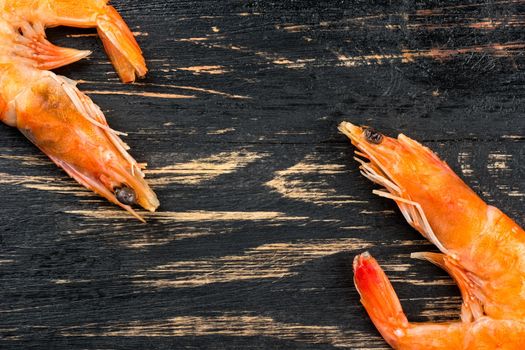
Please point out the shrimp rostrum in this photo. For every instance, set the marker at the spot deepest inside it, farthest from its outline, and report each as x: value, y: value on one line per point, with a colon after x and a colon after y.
x: 481, y: 248
x: 49, y: 109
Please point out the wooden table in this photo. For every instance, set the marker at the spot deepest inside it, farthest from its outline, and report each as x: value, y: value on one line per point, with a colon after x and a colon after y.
x: 263, y: 208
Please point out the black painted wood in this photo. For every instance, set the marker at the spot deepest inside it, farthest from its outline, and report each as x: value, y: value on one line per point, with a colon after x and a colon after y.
x: 262, y: 208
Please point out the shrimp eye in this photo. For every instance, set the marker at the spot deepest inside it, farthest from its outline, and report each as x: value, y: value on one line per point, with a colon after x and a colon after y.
x: 373, y: 136
x: 126, y: 195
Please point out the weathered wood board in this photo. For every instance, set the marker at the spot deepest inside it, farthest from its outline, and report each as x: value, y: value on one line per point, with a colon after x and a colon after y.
x: 262, y: 208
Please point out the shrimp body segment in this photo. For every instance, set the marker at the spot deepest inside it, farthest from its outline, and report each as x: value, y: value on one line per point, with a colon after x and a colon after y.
x: 49, y: 109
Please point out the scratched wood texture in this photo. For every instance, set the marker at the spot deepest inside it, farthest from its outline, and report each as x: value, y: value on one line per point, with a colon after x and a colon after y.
x: 262, y: 206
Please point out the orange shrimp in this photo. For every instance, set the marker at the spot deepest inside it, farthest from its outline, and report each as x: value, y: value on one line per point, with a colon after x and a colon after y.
x: 52, y: 113
x: 482, y: 248
x: 382, y: 304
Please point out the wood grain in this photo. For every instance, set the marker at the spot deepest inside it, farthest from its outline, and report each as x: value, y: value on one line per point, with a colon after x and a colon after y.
x: 262, y: 208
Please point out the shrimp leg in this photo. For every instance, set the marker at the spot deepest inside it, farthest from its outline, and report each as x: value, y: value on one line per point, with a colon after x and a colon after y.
x: 472, y: 307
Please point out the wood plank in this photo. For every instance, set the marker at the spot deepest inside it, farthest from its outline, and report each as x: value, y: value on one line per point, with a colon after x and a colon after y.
x: 263, y: 207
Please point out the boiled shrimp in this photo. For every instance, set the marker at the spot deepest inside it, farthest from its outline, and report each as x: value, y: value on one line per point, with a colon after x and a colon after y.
x: 50, y: 110
x: 384, y: 308
x: 481, y: 247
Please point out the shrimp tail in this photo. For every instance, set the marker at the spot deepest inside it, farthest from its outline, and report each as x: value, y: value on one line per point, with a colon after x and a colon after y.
x: 119, y: 42
x: 379, y: 298
x: 120, y: 45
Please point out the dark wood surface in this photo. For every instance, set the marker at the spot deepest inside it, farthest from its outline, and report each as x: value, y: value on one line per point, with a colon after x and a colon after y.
x: 262, y: 207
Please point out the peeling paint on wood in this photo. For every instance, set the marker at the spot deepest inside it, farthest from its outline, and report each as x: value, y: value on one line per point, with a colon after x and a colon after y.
x: 292, y: 183
x: 269, y: 261
x: 227, y: 325
x: 194, y: 216
x: 198, y: 171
